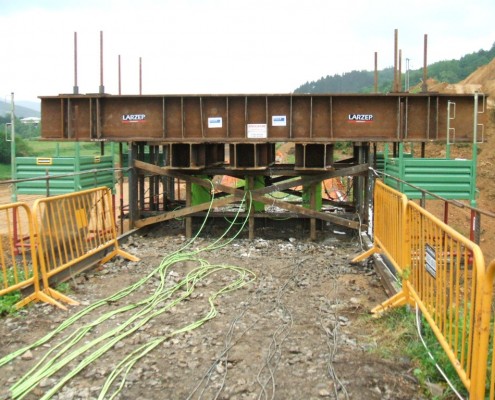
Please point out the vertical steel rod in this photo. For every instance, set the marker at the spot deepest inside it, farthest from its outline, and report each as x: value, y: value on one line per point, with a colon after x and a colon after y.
x: 75, y: 88
x: 102, y: 88
x: 120, y: 78
x: 424, y: 86
x: 140, y: 75
x: 376, y: 73
x: 399, y: 73
x: 396, y: 45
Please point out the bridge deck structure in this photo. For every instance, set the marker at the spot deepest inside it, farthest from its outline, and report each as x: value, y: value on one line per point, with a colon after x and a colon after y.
x: 193, y: 137
x: 256, y: 117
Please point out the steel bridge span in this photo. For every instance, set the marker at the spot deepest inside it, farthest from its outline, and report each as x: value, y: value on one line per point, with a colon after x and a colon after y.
x: 182, y: 136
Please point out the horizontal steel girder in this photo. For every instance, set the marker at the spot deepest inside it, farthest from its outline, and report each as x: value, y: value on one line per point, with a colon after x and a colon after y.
x: 257, y: 118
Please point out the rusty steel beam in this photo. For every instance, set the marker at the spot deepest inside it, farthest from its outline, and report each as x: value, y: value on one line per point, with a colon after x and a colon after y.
x: 236, y: 118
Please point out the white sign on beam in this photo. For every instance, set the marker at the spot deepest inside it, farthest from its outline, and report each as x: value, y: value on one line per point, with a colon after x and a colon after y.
x: 257, y: 131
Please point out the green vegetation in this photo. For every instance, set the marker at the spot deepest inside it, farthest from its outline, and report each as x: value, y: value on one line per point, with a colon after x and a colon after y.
x: 450, y: 71
x: 64, y: 287
x: 396, y: 334
x: 28, y: 144
x: 5, y: 171
x: 8, y: 302
x: 63, y: 149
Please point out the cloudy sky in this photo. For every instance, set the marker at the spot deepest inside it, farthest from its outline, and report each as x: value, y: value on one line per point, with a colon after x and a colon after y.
x: 223, y: 46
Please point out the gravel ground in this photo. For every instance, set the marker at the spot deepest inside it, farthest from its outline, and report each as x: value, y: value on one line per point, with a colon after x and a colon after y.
x: 291, y: 323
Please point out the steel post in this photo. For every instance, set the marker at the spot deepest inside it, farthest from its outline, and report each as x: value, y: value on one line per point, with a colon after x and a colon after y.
x: 133, y: 185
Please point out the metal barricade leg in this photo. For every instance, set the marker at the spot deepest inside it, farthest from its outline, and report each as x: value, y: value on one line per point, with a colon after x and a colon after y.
x: 366, y: 254
x: 398, y: 300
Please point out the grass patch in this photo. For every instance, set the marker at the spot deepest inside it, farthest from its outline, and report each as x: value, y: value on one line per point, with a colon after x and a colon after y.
x: 63, y: 149
x: 8, y: 302
x: 64, y: 288
x: 5, y: 171
x: 395, y: 334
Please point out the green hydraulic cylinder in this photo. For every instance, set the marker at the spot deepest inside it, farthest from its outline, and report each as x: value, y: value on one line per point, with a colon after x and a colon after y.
x: 259, y: 182
x: 200, y: 194
x: 306, y: 196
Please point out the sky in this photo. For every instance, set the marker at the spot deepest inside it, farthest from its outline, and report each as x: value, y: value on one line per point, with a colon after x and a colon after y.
x: 223, y: 46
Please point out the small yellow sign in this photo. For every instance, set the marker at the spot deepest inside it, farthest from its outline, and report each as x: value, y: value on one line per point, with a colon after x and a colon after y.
x: 44, y: 161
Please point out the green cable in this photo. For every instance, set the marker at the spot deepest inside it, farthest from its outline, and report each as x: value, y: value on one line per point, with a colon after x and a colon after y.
x: 113, y: 298
x: 94, y: 324
x: 199, y: 273
x: 46, y: 372
x: 27, y: 384
x: 126, y: 364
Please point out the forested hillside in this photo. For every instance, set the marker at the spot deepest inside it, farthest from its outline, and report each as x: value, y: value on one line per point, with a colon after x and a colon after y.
x: 449, y: 71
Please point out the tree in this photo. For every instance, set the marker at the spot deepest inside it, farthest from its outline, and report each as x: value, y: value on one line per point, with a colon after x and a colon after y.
x: 22, y: 148
x: 450, y: 71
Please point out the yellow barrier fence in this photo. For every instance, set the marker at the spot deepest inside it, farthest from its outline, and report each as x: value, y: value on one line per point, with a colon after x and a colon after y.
x: 388, y: 225
x: 488, y: 325
x: 19, y: 268
x: 444, y: 274
x: 447, y: 274
x: 71, y: 228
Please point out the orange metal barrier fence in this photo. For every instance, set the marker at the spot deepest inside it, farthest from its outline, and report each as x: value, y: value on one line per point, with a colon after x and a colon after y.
x: 447, y: 273
x: 443, y: 273
x: 19, y: 267
x: 488, y: 326
x: 388, y: 225
x: 74, y: 227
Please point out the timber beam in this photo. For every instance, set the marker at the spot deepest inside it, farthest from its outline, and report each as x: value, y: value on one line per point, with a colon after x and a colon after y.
x: 256, y: 194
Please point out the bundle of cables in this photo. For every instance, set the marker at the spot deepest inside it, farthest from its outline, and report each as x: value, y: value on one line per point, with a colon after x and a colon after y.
x: 72, y: 350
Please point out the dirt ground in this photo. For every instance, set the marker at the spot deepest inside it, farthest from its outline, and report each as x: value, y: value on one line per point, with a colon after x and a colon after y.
x: 298, y: 329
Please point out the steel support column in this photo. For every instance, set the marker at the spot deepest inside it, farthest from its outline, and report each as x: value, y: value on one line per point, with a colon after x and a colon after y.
x: 133, y: 184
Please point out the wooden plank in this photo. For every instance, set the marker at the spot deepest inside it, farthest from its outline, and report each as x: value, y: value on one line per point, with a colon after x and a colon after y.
x: 185, y: 211
x: 278, y: 187
x: 155, y: 169
x: 295, y: 208
x: 309, y: 180
x: 255, y: 195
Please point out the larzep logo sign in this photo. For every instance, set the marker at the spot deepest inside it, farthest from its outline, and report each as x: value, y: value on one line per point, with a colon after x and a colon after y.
x: 360, y: 118
x: 133, y: 118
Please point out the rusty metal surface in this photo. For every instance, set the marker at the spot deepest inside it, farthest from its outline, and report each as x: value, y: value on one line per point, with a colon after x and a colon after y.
x: 256, y: 118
